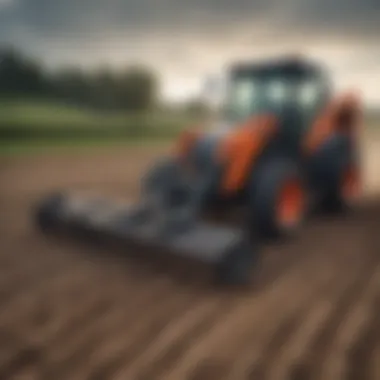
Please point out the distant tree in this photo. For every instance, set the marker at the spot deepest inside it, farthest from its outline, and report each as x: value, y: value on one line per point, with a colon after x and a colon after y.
x: 103, y: 86
x: 132, y: 90
x: 20, y: 75
x: 136, y: 89
x: 72, y: 85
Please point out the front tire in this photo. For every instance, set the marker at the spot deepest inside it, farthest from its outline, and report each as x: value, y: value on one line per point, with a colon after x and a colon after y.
x: 278, y: 201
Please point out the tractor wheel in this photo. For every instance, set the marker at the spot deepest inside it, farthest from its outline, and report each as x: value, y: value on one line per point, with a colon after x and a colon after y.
x: 278, y: 201
x: 342, y: 193
x: 336, y: 177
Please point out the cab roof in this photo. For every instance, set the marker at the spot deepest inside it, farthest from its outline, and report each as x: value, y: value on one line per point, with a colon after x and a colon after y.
x: 289, y: 67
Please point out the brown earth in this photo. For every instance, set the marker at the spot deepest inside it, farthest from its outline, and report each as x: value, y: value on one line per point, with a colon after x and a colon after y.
x: 313, y: 313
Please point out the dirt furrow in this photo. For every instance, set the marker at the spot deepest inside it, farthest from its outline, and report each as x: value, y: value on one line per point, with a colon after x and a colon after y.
x: 375, y: 360
x: 308, y: 362
x: 239, y: 319
x: 25, y: 300
x: 177, y: 336
x: 320, y: 313
x: 123, y: 336
x: 358, y: 361
x: 71, y: 311
x: 28, y: 272
x: 261, y: 345
x: 95, y: 304
x: 98, y: 326
x: 144, y: 332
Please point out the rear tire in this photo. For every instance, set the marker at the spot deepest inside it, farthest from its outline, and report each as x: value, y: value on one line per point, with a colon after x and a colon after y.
x: 334, y: 201
x: 335, y: 176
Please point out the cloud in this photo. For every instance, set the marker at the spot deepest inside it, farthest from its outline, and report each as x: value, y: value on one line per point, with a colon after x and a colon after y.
x: 6, y: 3
x: 85, y: 17
x: 63, y: 28
x: 187, y: 39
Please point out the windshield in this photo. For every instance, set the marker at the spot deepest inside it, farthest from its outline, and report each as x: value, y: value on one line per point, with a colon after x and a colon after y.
x: 249, y: 95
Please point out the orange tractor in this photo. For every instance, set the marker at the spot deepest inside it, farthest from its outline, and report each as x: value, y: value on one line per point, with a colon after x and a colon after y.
x: 284, y: 147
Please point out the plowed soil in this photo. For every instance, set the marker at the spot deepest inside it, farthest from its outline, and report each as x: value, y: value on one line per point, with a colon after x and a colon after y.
x: 313, y: 311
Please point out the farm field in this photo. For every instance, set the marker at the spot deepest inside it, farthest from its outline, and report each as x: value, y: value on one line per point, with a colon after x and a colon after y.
x: 68, y: 313
x: 36, y: 125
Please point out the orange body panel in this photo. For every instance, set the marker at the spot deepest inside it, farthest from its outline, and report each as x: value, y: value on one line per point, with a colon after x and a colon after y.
x: 241, y: 148
x: 328, y: 123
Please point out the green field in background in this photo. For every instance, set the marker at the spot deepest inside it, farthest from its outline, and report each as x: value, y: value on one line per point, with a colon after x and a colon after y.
x: 31, y: 123
x: 42, y: 146
x: 51, y: 115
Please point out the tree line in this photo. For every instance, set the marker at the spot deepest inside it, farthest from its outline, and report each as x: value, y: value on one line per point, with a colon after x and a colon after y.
x: 133, y: 89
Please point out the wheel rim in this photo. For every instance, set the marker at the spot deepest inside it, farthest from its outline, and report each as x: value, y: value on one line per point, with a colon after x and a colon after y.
x: 291, y: 204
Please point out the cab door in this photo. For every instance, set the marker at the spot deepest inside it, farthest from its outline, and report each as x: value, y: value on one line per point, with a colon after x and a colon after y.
x: 311, y: 98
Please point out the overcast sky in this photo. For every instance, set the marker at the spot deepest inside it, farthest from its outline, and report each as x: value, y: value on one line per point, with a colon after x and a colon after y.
x: 186, y: 40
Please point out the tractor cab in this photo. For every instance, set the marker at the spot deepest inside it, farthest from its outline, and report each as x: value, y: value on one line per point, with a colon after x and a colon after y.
x: 293, y: 91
